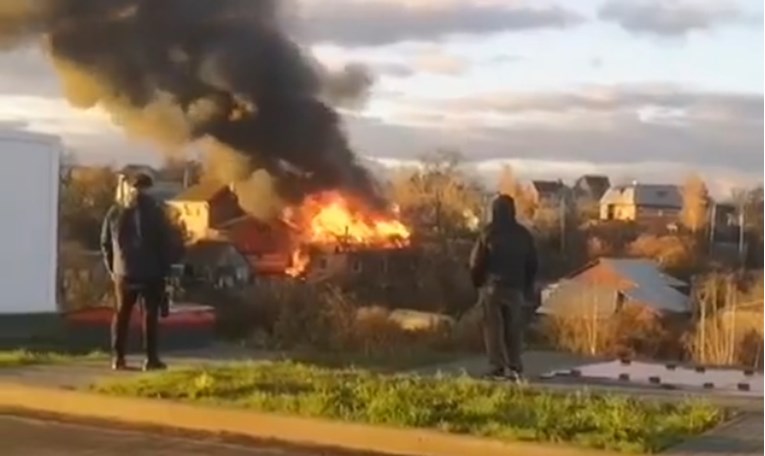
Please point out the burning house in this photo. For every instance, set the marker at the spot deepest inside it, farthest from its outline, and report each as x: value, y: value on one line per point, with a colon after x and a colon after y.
x: 229, y: 80
x: 309, y: 240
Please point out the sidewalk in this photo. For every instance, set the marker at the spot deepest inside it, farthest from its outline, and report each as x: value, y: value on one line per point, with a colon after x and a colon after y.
x: 538, y: 363
x: 742, y: 437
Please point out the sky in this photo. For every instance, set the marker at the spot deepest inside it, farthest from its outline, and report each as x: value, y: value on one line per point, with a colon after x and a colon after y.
x: 646, y: 90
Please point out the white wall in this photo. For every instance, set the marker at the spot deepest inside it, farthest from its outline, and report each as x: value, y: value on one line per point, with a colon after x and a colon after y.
x: 29, y: 186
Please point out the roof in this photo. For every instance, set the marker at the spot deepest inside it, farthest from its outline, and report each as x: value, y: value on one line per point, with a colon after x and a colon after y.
x: 572, y: 297
x: 136, y: 168
x: 165, y: 191
x: 201, y: 192
x: 547, y: 187
x: 596, y: 185
x: 10, y: 131
x: 645, y: 283
x: 645, y: 195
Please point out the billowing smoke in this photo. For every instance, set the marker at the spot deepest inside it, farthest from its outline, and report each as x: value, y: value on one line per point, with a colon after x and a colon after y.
x: 220, y: 70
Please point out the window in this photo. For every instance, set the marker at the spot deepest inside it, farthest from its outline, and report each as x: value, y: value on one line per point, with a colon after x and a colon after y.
x: 357, y: 267
x: 322, y: 264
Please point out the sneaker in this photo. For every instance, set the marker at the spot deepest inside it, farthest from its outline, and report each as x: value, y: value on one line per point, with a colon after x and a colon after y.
x: 514, y: 376
x: 154, y: 364
x: 119, y: 364
x: 497, y: 373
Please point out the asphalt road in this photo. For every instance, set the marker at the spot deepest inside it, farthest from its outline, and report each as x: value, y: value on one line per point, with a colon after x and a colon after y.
x: 41, y: 437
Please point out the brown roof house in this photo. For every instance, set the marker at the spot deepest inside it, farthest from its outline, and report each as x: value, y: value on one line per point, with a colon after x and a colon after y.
x: 606, y: 286
x: 205, y: 206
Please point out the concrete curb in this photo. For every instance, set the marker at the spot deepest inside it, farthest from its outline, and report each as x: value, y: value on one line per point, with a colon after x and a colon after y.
x: 260, y: 426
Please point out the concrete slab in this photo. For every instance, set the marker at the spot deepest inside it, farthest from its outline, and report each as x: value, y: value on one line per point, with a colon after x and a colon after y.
x: 729, y: 381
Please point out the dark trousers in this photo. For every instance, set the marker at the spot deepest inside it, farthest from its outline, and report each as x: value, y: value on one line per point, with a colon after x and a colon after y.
x: 504, y: 326
x: 127, y: 293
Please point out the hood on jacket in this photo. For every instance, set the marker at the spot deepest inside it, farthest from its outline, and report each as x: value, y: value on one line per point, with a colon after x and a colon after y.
x: 503, y: 211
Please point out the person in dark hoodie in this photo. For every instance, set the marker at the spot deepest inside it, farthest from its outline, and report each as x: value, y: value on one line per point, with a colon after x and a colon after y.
x: 503, y: 266
x: 137, y: 249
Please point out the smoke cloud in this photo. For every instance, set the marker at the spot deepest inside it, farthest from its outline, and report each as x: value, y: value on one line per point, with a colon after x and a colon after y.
x: 178, y: 71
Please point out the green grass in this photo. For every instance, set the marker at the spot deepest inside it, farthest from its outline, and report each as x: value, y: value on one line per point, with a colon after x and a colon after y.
x: 20, y: 358
x: 458, y: 405
x: 379, y: 362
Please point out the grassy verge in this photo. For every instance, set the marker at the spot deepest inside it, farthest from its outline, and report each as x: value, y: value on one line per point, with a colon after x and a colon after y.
x: 458, y: 405
x: 378, y: 362
x: 20, y: 358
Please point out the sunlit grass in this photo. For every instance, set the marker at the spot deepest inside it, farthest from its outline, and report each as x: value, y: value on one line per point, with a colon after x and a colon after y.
x: 19, y: 358
x: 457, y: 405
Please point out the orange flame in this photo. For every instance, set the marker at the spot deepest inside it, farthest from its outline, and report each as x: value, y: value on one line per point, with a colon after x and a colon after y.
x: 330, y: 218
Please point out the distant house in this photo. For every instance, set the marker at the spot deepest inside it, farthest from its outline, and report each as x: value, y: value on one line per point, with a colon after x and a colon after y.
x: 549, y: 193
x: 591, y: 187
x: 216, y: 263
x: 726, y: 215
x: 205, y: 206
x: 604, y: 287
x: 641, y: 203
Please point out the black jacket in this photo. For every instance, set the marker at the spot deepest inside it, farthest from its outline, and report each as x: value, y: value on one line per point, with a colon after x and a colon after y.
x: 504, y: 253
x: 136, y: 253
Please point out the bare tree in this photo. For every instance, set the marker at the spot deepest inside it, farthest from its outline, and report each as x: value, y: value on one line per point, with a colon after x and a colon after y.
x: 438, y: 196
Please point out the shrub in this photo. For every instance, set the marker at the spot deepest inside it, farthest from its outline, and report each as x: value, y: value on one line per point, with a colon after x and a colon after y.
x: 672, y: 252
x: 302, y: 317
x: 634, y: 332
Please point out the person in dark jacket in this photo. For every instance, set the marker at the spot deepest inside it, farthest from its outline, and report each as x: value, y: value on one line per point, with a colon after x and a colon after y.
x: 137, y: 249
x: 503, y: 266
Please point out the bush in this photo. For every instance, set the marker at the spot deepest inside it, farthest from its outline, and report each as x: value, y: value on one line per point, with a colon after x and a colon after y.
x: 634, y: 332
x: 672, y: 252
x: 309, y: 318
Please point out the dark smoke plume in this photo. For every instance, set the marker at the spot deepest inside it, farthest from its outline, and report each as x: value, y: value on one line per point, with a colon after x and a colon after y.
x: 181, y: 70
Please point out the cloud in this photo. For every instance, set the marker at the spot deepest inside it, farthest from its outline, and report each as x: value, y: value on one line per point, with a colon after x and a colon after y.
x: 25, y: 71
x: 439, y: 62
x: 399, y: 70
x: 670, y: 17
x: 605, y: 126
x: 381, y: 22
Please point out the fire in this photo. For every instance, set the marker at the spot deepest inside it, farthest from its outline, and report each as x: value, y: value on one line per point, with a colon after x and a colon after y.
x: 329, y: 218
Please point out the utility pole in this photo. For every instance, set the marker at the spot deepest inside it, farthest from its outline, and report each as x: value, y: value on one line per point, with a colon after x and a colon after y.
x: 741, y: 246
x: 562, y: 215
x: 712, y: 225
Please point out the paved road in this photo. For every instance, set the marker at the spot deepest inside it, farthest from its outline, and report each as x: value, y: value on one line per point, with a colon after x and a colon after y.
x: 31, y: 436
